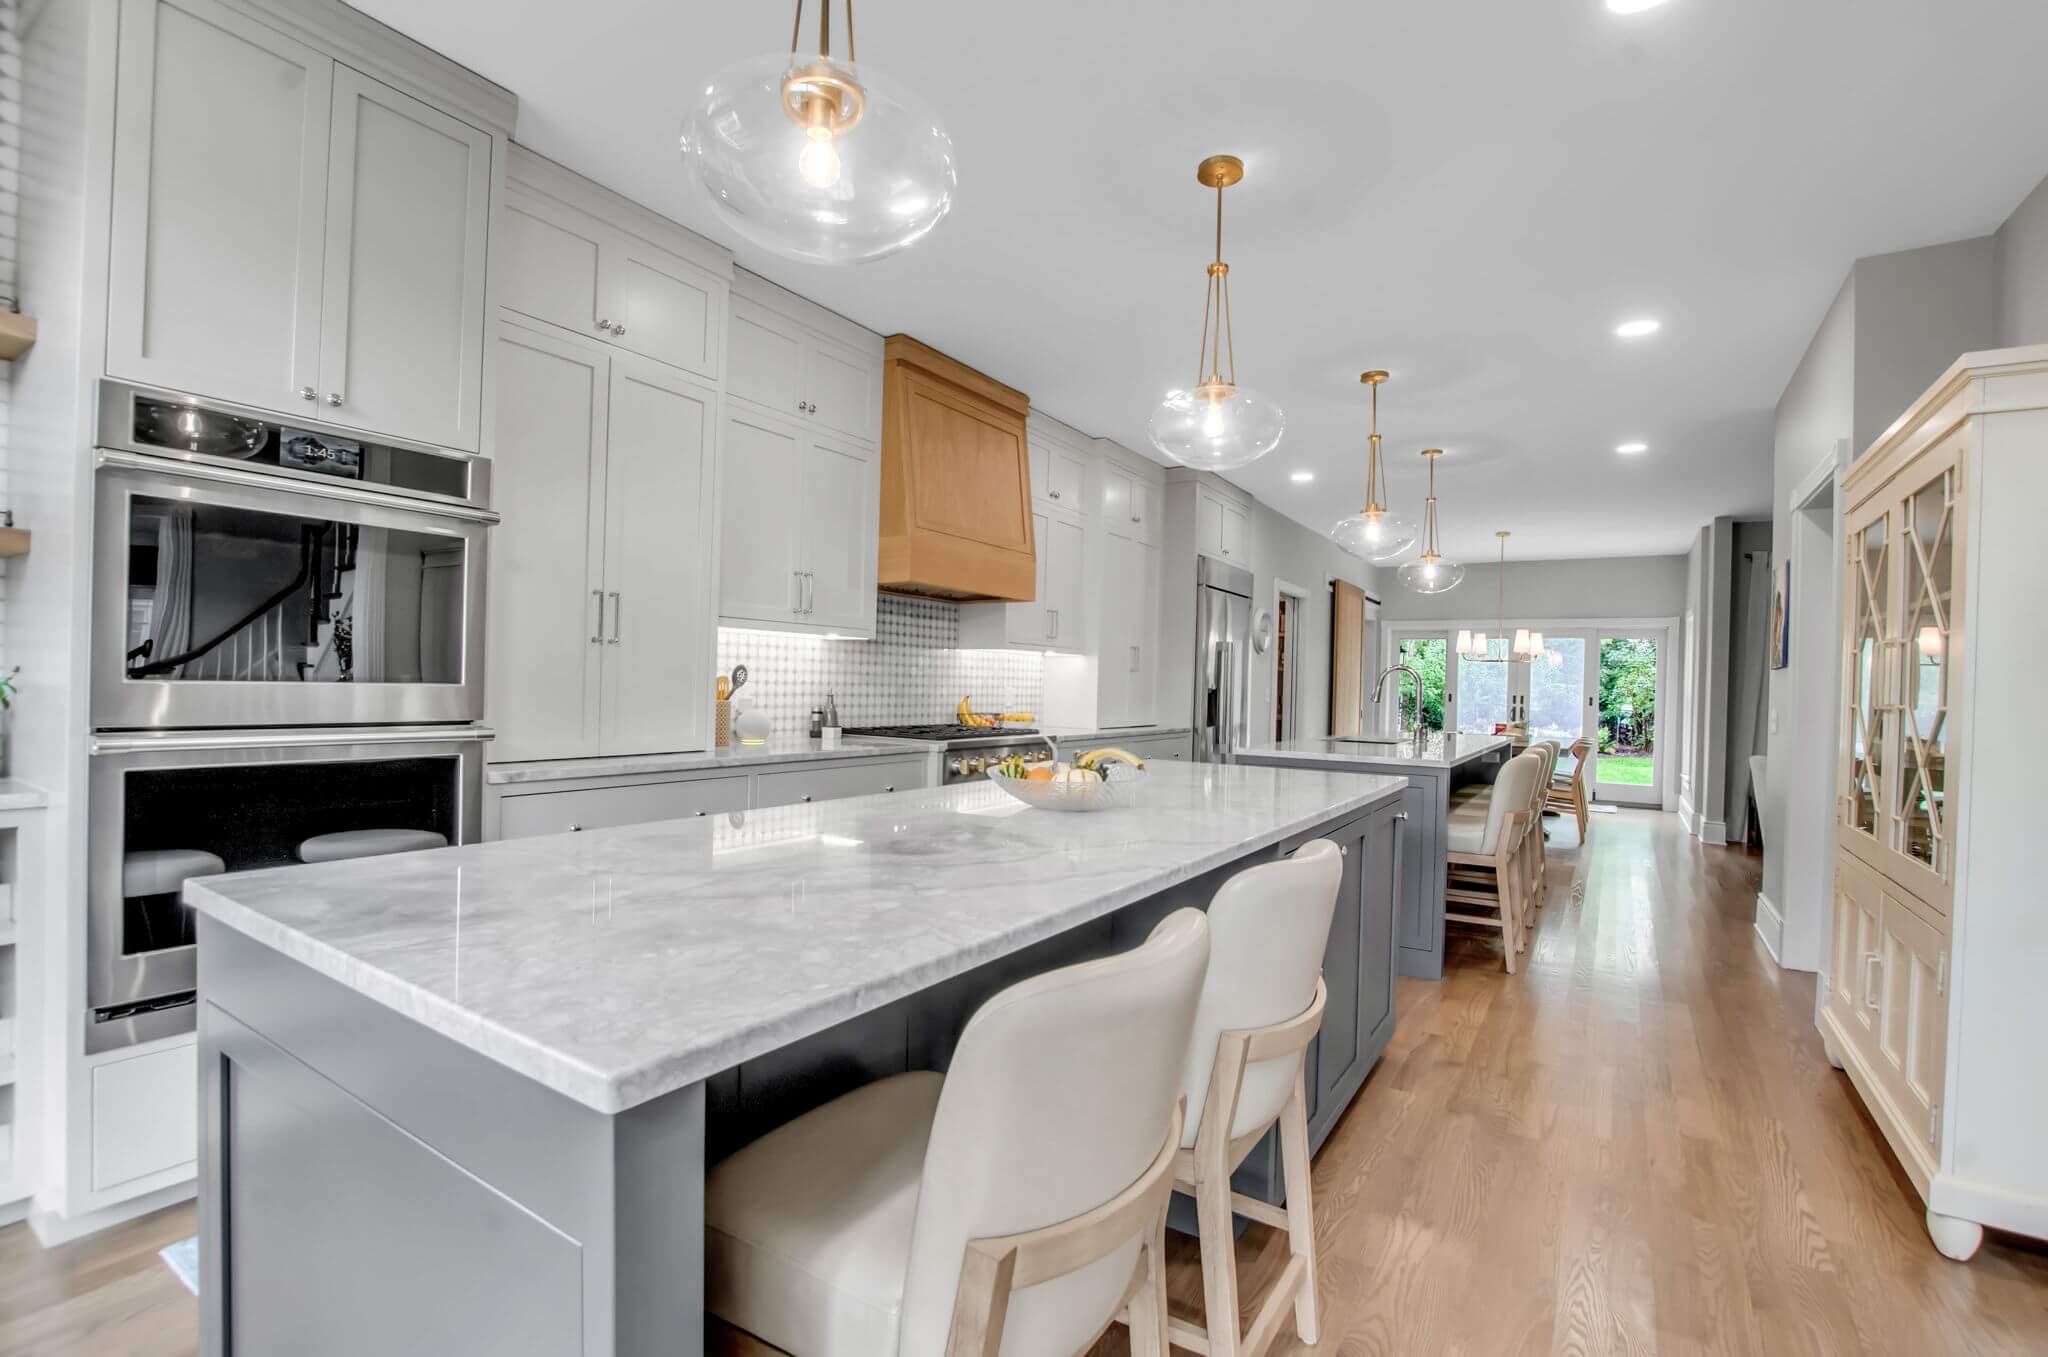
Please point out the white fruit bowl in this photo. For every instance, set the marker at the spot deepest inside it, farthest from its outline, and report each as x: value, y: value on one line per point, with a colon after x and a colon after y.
x: 1120, y: 788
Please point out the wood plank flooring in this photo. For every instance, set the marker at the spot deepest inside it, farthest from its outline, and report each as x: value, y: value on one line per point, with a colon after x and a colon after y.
x: 1632, y: 1147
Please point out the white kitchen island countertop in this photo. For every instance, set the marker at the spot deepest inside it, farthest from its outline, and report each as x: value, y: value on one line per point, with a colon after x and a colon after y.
x: 616, y: 965
x: 1427, y: 749
x: 781, y: 749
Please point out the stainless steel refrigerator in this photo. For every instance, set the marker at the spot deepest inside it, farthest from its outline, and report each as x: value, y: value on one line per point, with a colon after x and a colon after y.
x: 1223, y: 626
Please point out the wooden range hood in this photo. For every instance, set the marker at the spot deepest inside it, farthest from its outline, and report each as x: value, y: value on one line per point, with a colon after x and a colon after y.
x: 956, y: 480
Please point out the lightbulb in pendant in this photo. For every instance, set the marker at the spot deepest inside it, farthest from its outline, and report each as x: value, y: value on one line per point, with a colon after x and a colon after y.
x: 1213, y: 425
x: 818, y: 162
x: 1429, y: 570
x: 1375, y: 531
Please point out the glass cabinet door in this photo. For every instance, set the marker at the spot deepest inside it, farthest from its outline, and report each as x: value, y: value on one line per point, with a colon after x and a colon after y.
x: 1867, y: 575
x: 1927, y: 524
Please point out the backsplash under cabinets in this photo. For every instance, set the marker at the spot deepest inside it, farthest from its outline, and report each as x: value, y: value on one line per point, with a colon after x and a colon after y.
x: 912, y: 671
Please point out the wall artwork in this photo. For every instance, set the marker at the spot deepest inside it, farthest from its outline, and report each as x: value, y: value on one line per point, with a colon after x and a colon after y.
x: 1781, y: 616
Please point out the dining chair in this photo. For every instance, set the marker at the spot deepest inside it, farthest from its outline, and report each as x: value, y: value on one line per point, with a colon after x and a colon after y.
x: 1015, y: 1205
x: 1486, y: 861
x: 1262, y: 1004
x: 1572, y: 796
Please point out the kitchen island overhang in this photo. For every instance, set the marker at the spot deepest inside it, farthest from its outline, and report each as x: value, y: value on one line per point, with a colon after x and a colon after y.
x: 522, y: 1055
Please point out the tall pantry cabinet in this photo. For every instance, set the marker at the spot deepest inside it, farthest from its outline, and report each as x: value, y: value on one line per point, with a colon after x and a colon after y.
x: 1938, y: 934
x: 610, y: 342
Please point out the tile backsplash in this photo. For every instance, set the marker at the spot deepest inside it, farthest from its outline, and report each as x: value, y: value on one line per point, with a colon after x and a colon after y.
x: 913, y: 671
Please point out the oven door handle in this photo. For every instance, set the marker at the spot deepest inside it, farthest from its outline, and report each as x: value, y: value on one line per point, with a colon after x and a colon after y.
x: 257, y: 480
x: 143, y: 742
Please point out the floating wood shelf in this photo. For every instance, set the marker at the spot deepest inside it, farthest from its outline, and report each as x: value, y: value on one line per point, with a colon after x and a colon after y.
x: 17, y: 334
x: 13, y: 542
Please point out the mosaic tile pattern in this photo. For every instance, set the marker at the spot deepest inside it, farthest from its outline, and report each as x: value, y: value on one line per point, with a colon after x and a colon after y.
x: 913, y: 670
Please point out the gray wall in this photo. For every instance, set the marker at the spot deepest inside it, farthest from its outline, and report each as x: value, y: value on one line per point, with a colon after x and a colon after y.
x: 1622, y: 586
x: 2022, y: 255
x: 1703, y: 756
x: 1283, y: 549
x: 1814, y: 428
x: 1915, y: 311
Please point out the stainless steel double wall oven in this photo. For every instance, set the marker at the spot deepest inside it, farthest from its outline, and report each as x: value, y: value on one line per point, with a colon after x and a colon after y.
x: 287, y: 642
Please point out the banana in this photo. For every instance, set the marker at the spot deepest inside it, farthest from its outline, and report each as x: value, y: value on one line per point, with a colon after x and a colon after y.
x: 1094, y: 759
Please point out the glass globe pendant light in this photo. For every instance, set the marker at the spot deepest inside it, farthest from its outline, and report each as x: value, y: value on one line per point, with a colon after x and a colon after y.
x: 818, y: 158
x: 1218, y: 425
x: 1430, y: 573
x: 1374, y: 533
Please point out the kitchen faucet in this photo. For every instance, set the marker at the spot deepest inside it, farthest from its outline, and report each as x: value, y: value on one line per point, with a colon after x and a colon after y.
x: 1379, y: 688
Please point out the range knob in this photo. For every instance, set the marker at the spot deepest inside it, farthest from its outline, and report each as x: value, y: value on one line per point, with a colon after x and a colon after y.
x: 957, y: 766
x: 976, y: 765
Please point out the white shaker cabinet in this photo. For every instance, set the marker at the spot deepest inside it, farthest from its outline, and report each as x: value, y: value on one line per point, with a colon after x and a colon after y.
x: 578, y: 258
x: 1127, y: 503
x: 349, y: 284
x: 402, y: 309
x: 1059, y: 474
x: 600, y: 619
x: 1222, y: 527
x: 795, y: 359
x: 800, y: 499
x: 1128, y: 651
x: 1057, y: 618
x: 798, y: 517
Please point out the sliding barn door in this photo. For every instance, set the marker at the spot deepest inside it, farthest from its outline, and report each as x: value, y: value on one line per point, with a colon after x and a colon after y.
x: 1347, y: 659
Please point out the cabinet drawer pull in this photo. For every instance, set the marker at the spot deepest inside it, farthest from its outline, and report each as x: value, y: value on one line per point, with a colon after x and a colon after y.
x: 618, y: 608
x: 597, y: 637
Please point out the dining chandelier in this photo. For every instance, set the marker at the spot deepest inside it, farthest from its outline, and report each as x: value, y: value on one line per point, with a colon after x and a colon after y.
x: 1217, y: 425
x: 1477, y: 646
x: 1374, y: 533
x: 816, y: 157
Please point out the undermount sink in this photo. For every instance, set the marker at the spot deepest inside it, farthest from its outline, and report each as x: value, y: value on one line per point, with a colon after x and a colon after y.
x: 1359, y: 739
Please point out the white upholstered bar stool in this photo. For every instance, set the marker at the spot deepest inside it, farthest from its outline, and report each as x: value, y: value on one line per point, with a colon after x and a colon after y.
x: 1261, y: 1006
x: 1486, y: 856
x: 1015, y: 1205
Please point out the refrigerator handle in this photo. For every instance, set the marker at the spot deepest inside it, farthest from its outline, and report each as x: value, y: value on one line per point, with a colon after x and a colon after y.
x: 1227, y: 707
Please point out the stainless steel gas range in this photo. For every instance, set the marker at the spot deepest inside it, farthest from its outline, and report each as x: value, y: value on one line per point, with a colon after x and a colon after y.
x: 962, y: 753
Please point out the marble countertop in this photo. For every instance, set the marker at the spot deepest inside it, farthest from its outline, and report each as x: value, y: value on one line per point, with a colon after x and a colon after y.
x: 18, y: 795
x: 616, y: 965
x: 1428, y: 749
x: 780, y: 749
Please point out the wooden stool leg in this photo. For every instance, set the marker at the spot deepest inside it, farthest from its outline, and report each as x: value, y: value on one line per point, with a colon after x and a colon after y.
x: 1219, y: 1262
x: 1504, y: 876
x: 1147, y: 1314
x: 1301, y: 1219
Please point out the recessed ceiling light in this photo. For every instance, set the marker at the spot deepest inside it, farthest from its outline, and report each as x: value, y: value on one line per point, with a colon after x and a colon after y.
x: 1632, y: 6
x: 1302, y: 477
x: 1630, y: 449
x: 1636, y: 329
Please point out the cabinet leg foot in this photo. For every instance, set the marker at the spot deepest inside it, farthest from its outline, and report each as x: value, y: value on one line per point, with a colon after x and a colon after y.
x: 1953, y: 1236
x: 1827, y: 1046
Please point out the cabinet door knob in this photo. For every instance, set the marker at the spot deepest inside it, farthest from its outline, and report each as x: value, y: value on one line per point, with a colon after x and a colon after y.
x: 807, y: 798
x: 604, y: 325
x: 575, y: 829
x: 1055, y: 494
x: 334, y: 398
x: 890, y: 788
x: 309, y: 393
x: 700, y: 814
x: 618, y: 332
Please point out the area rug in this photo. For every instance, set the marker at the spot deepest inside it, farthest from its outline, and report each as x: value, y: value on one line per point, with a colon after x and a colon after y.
x: 183, y: 1259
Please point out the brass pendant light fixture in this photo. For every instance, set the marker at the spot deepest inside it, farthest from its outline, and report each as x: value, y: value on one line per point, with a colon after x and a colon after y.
x: 1477, y: 647
x: 1430, y: 573
x: 1217, y: 425
x: 1375, y: 533
x: 816, y: 157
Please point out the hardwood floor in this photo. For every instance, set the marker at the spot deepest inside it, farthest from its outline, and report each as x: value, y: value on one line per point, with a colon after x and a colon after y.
x: 1634, y: 1146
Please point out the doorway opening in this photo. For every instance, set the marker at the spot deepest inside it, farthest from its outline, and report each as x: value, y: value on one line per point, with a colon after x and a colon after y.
x: 1290, y: 615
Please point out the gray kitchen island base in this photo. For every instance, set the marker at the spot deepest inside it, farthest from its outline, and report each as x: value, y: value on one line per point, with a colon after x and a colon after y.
x: 370, y: 1186
x: 379, y: 1176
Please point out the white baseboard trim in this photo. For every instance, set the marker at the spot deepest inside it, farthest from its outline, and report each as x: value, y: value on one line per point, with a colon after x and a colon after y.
x: 52, y: 1229
x: 1770, y: 926
x: 13, y: 1213
x: 1713, y: 831
x: 1688, y: 818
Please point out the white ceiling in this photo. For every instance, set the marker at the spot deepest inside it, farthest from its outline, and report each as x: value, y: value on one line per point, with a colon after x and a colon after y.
x: 1470, y: 194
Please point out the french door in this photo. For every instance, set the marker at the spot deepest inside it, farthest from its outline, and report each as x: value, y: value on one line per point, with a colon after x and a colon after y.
x: 1603, y: 683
